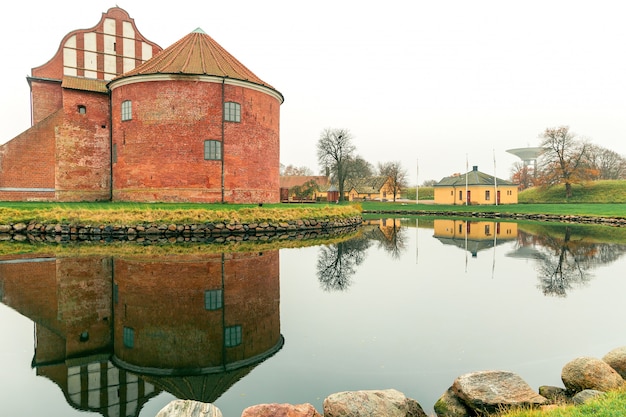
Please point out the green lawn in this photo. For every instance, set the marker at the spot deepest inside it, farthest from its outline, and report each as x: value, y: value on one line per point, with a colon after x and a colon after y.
x: 583, y: 209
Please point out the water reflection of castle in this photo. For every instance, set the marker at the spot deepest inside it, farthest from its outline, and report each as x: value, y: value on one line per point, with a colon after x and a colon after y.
x: 474, y: 236
x: 114, y: 332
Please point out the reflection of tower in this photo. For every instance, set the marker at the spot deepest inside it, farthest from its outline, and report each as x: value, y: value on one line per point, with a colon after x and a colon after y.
x: 69, y: 299
x: 195, y: 325
x: 529, y: 156
x: 191, y: 324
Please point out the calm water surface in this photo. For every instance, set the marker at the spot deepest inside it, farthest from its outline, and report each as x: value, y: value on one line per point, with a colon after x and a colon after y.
x: 398, y: 306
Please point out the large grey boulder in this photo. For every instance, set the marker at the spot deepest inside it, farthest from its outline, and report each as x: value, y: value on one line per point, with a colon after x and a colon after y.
x: 388, y: 403
x: 491, y: 391
x: 281, y: 410
x: 617, y: 360
x: 586, y: 395
x: 188, y: 408
x: 590, y: 373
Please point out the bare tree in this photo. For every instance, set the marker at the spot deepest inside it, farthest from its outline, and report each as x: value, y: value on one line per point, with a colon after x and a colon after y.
x: 334, y: 152
x: 291, y: 170
x: 359, y: 168
x: 564, y: 158
x: 606, y: 164
x: 398, y: 176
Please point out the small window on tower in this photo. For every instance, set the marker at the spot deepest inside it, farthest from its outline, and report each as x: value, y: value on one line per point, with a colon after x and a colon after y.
x: 212, y: 150
x: 232, y: 112
x: 82, y: 109
x: 127, y: 110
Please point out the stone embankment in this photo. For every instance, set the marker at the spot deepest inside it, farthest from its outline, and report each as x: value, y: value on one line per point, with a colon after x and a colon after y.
x: 215, y: 231
x: 563, y: 218
x: 474, y: 394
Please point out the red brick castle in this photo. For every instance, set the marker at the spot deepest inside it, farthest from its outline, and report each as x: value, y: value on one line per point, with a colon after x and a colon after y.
x: 117, y: 118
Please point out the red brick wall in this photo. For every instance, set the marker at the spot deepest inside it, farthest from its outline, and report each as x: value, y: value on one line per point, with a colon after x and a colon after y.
x: 160, y: 152
x: 68, y: 151
x: 83, y: 148
x: 251, y: 148
x: 28, y: 161
x: 46, y: 98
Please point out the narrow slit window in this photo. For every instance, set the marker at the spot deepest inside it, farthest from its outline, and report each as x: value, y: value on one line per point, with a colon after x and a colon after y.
x: 127, y: 110
x: 129, y: 337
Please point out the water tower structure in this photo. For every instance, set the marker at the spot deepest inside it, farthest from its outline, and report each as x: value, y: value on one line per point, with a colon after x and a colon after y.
x: 528, y: 155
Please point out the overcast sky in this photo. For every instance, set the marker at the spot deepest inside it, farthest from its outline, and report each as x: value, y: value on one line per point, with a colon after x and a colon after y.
x: 431, y: 84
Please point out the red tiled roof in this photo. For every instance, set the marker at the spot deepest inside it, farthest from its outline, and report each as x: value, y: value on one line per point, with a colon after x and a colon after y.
x: 290, y: 181
x: 196, y: 54
x: 86, y: 84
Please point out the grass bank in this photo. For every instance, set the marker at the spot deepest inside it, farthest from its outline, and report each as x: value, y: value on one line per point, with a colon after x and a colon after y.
x: 613, y: 404
x: 138, y: 213
x: 608, y: 191
x: 581, y: 209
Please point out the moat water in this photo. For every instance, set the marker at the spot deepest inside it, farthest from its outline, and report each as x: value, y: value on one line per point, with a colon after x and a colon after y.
x: 408, y: 304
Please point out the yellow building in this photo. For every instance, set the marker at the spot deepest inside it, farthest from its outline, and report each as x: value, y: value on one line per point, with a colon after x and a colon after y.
x: 475, y: 187
x: 292, y: 185
x: 372, y: 188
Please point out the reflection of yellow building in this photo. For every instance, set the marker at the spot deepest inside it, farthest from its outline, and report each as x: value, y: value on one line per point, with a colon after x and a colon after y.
x: 475, y: 187
x: 473, y: 236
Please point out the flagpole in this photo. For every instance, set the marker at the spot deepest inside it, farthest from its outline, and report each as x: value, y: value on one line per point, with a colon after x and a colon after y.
x: 417, y: 184
x: 466, y: 175
x: 495, y: 179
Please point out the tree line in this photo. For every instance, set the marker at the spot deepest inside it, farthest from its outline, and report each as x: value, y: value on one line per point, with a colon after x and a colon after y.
x: 568, y: 159
x: 338, y: 159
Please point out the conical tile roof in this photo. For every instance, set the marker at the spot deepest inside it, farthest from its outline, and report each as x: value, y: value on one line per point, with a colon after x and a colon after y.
x: 196, y: 54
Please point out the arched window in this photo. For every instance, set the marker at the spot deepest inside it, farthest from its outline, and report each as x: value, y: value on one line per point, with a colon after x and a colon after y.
x: 212, y: 150
x: 232, y: 112
x: 127, y: 110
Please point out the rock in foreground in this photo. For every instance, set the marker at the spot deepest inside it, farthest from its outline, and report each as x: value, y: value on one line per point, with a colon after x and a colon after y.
x: 388, y: 403
x: 490, y: 391
x: 188, y: 408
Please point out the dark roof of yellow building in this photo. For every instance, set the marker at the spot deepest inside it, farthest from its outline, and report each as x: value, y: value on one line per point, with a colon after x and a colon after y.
x: 196, y: 54
x: 474, y: 177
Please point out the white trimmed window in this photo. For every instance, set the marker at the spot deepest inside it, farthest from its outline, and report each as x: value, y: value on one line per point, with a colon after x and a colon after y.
x: 212, y: 150
x: 127, y: 110
x: 232, y: 112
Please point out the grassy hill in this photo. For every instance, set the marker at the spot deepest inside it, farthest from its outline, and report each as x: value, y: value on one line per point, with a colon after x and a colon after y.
x: 607, y: 191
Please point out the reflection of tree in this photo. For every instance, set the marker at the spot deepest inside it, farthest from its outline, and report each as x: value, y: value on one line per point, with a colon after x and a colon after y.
x: 336, y: 264
x: 565, y: 262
